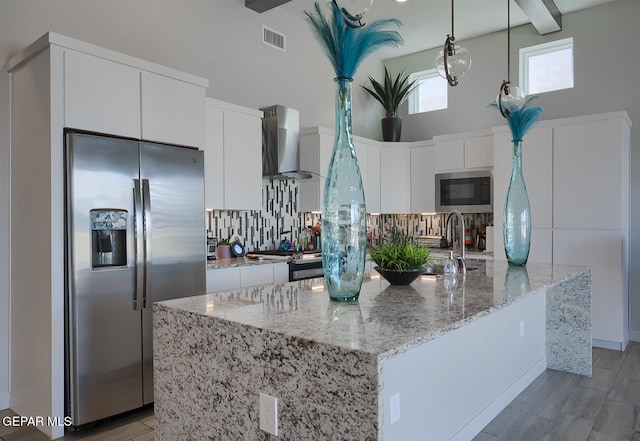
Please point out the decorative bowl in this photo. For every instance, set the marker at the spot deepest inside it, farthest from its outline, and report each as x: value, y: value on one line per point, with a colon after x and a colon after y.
x: 399, y: 277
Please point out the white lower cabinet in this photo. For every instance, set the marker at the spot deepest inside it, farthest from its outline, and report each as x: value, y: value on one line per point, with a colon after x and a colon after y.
x: 280, y: 272
x: 256, y: 275
x: 602, y: 251
x: 224, y: 279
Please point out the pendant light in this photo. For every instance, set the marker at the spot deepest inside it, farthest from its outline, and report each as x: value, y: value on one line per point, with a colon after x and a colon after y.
x: 453, y: 61
x: 510, y: 98
x: 353, y: 11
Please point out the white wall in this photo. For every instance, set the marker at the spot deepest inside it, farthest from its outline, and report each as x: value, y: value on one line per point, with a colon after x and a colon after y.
x: 606, y: 64
x: 216, y: 39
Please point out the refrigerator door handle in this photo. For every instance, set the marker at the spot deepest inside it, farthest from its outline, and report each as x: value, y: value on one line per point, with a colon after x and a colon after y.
x: 139, y: 245
x: 146, y: 201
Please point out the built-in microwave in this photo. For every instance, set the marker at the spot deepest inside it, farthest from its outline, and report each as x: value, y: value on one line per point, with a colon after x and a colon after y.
x: 467, y: 192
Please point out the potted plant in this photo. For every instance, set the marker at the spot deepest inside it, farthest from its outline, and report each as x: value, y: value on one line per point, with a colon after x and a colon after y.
x: 391, y: 94
x: 400, y: 260
x: 223, y: 249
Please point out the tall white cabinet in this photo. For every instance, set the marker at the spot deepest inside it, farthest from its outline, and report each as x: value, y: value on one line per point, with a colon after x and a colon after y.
x: 60, y: 82
x: 570, y: 166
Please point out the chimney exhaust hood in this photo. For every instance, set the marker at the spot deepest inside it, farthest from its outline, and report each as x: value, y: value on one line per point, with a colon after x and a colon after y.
x: 261, y: 6
x: 281, y: 143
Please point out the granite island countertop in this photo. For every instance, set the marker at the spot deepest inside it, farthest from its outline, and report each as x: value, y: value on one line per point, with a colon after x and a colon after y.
x: 449, y: 358
x: 391, y: 319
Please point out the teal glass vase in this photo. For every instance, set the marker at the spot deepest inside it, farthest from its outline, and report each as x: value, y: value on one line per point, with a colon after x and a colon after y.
x: 517, y: 213
x: 344, y: 226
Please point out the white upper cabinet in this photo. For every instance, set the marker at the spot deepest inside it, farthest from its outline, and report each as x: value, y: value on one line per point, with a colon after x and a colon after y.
x: 449, y: 154
x: 465, y: 151
x: 395, y: 178
x: 100, y: 95
x: 214, y: 158
x: 233, y: 157
x: 172, y: 111
x: 368, y: 154
x: 423, y: 169
x: 316, y: 145
x: 120, y: 97
x: 243, y: 160
x: 478, y: 152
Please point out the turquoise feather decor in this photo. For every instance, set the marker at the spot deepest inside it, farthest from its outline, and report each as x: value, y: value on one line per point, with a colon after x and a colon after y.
x: 346, y: 46
x: 522, y: 118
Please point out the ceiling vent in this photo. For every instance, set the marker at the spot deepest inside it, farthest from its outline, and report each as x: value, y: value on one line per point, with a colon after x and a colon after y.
x: 261, y: 6
x: 273, y: 38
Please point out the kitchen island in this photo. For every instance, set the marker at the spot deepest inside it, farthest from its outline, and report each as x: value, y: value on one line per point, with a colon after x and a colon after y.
x: 429, y: 361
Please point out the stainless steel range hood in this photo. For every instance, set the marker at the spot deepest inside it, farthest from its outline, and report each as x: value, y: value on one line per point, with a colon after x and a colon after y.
x: 281, y: 143
x: 264, y: 5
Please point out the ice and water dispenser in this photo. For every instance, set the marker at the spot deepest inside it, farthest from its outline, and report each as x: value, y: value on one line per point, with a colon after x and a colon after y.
x: 108, y: 238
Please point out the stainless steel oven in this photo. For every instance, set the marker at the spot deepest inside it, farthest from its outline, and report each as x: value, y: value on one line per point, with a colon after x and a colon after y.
x: 467, y: 192
x: 305, y: 268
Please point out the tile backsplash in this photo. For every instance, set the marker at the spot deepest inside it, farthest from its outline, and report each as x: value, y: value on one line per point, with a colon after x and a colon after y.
x: 279, y: 218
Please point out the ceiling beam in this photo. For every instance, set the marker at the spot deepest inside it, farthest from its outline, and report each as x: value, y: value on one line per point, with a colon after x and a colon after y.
x: 263, y: 5
x: 544, y: 15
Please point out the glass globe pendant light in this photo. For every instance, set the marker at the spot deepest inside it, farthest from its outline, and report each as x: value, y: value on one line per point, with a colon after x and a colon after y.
x: 453, y: 61
x: 510, y: 98
x: 353, y: 11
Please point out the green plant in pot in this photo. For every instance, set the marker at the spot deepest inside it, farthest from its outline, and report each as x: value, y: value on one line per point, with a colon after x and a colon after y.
x: 391, y: 94
x: 223, y: 249
x: 400, y: 260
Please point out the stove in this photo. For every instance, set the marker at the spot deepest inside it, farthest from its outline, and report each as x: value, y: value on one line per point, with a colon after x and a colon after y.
x: 302, y: 265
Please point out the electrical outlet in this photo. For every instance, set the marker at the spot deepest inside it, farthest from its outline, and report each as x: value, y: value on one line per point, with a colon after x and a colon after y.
x: 269, y: 414
x: 521, y: 328
x: 394, y: 408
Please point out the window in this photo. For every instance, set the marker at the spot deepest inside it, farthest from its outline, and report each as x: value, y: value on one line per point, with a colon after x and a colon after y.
x: 546, y: 67
x: 431, y: 93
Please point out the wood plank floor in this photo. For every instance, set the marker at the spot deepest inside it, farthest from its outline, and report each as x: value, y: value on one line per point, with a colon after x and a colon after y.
x: 556, y: 407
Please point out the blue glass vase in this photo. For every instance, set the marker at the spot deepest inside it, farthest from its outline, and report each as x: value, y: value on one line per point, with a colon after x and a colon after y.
x: 344, y: 226
x: 517, y: 213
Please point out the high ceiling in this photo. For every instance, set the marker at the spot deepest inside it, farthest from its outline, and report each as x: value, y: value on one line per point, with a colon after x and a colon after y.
x: 425, y: 23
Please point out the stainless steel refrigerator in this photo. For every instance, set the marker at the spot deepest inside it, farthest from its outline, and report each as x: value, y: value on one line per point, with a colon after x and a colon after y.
x: 135, y: 235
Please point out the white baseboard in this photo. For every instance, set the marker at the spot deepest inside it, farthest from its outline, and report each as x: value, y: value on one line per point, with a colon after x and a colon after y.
x: 4, y: 400
x: 634, y: 335
x: 606, y: 344
x: 475, y: 426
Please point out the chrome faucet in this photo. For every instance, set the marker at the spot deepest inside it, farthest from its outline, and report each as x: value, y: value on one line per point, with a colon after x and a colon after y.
x: 461, y: 257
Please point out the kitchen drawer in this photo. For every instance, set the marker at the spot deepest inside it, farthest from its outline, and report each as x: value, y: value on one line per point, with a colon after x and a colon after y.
x: 256, y: 275
x: 223, y: 279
